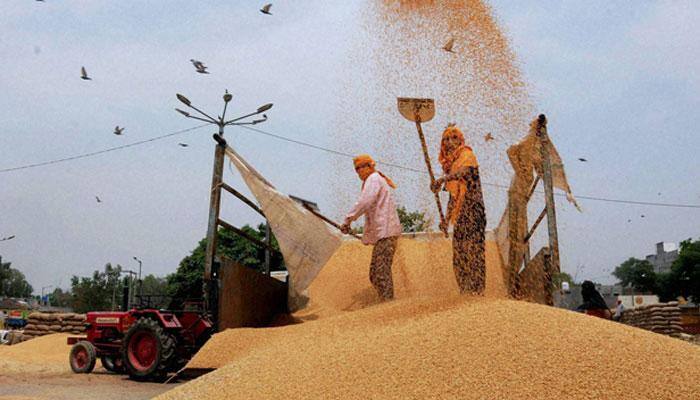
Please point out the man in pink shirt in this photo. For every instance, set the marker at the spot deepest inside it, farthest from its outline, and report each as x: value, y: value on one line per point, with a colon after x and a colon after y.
x: 382, y: 225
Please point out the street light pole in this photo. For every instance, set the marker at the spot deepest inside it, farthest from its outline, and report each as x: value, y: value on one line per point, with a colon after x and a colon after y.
x: 217, y: 174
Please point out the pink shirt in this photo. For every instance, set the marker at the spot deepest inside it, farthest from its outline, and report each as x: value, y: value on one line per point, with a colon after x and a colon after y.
x: 376, y: 203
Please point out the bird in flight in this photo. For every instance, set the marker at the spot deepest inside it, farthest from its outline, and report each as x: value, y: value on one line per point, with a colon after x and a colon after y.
x: 266, y: 9
x: 83, y: 74
x: 582, y: 159
x: 488, y: 137
x: 199, y: 66
x: 183, y: 144
x: 98, y: 199
x: 642, y: 215
x: 448, y: 46
x: 118, y: 130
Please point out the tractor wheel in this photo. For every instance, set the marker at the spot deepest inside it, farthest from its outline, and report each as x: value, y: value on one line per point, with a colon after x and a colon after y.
x: 82, y: 357
x: 113, y: 364
x: 148, y: 351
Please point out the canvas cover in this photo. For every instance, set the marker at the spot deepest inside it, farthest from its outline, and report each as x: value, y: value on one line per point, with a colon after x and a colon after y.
x: 526, y: 160
x: 306, y: 242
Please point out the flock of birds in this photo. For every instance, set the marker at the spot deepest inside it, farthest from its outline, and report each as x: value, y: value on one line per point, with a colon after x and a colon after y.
x: 198, y: 66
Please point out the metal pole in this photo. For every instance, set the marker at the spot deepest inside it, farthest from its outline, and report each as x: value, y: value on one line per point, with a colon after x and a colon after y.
x: 549, y: 193
x: 268, y: 239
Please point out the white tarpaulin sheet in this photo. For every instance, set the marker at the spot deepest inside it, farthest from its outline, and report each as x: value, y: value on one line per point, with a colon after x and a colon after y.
x: 305, y: 240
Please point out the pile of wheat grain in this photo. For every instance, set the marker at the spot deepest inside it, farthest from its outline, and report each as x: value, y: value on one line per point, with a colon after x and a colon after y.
x: 451, y: 347
x: 43, y: 354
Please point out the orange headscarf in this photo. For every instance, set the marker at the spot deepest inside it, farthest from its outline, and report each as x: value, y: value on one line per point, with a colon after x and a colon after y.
x: 446, y: 160
x: 365, y: 159
x: 461, y: 157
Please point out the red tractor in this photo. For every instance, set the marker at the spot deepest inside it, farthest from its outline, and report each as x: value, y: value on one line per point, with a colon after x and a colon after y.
x: 145, y: 343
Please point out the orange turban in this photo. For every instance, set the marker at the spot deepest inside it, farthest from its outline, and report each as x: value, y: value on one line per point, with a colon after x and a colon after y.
x: 445, y: 159
x: 366, y: 159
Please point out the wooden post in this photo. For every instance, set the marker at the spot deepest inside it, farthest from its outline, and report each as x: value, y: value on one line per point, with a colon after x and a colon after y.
x: 268, y: 239
x: 549, y: 194
x: 426, y: 156
x: 214, y: 204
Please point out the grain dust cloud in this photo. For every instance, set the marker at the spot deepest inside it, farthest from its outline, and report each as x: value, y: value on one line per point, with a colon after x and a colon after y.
x: 477, y: 85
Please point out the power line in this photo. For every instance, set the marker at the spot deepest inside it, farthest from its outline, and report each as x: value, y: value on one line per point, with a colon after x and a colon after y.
x: 94, y: 153
x: 332, y: 151
x: 602, y: 199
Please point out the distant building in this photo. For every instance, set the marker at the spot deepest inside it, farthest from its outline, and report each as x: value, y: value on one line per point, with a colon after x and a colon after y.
x: 666, y: 254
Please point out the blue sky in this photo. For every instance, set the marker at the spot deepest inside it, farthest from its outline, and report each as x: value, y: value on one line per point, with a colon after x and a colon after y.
x: 618, y: 81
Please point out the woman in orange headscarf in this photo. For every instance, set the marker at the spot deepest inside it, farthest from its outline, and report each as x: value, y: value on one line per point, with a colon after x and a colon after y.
x: 465, y: 210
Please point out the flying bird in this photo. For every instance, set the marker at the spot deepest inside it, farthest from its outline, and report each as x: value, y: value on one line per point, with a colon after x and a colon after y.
x: 448, y: 46
x: 98, y: 199
x: 488, y: 137
x: 582, y: 159
x: 629, y: 220
x: 266, y: 9
x: 83, y: 74
x: 199, y: 66
x: 642, y: 215
x: 118, y: 130
x: 183, y: 144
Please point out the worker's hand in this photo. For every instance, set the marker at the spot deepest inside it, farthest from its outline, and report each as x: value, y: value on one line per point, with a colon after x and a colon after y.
x: 345, y: 228
x: 443, y: 226
x: 436, y: 185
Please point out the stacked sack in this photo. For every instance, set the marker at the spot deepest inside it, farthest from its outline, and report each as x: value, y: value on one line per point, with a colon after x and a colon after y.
x: 664, y: 318
x: 40, y: 324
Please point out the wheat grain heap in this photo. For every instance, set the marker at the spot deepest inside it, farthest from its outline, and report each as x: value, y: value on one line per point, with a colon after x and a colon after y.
x: 432, y: 343
x: 47, y: 354
x: 451, y: 347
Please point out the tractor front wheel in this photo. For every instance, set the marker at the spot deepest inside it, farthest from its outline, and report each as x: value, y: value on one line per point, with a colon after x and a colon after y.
x: 148, y: 351
x: 82, y: 357
x: 113, y: 364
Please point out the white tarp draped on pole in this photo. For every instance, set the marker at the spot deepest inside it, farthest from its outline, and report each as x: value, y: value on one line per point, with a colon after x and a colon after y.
x: 305, y: 240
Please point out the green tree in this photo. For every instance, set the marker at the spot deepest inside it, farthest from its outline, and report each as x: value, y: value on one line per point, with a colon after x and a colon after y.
x: 412, y: 221
x: 685, y: 271
x: 101, y: 292
x: 638, y: 273
x: 13, y: 282
x: 186, y: 282
x: 60, y: 298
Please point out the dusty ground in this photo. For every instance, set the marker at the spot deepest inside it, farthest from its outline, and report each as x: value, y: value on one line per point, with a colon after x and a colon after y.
x: 38, y: 369
x: 97, y: 385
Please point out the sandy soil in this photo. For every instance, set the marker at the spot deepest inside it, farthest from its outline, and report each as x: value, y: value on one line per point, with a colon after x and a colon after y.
x: 38, y: 369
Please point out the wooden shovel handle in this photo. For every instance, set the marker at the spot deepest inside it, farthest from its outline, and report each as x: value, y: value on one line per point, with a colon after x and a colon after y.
x: 328, y: 220
x: 430, y: 171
